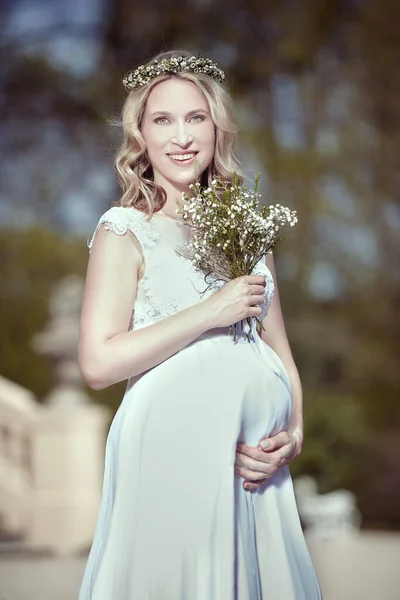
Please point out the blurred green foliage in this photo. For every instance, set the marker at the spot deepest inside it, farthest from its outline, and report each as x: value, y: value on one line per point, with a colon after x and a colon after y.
x: 33, y: 261
x: 335, y: 451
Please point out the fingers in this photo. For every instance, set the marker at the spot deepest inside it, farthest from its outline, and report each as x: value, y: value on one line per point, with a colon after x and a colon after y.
x: 253, y: 296
x: 252, y: 475
x: 251, y: 469
x: 267, y: 464
x: 276, y: 450
x: 255, y: 300
x: 250, y: 461
x: 256, y: 293
x: 254, y: 453
x: 257, y: 289
x: 255, y: 479
x: 254, y: 311
x: 277, y: 441
x: 255, y: 279
x: 252, y: 486
x: 257, y: 465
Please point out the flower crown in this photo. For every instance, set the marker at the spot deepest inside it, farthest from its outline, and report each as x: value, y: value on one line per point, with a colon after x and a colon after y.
x: 167, y: 66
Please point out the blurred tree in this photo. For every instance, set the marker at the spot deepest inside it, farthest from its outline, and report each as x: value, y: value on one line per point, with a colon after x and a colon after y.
x: 335, y: 452
x: 32, y: 263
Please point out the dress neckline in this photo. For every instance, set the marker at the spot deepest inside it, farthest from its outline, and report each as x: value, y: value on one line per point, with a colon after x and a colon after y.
x: 174, y: 230
x: 161, y: 214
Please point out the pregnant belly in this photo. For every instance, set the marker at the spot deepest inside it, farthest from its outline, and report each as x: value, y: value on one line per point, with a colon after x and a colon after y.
x: 241, y: 388
x: 262, y: 386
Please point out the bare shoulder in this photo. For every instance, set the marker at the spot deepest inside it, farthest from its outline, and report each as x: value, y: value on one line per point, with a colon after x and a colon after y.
x: 106, y: 247
x: 270, y: 262
x: 111, y: 284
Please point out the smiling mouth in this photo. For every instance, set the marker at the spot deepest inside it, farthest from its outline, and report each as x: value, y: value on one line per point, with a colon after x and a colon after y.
x: 183, y: 157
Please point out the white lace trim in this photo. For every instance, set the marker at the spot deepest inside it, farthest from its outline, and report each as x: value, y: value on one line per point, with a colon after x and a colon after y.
x: 120, y: 219
x: 262, y: 269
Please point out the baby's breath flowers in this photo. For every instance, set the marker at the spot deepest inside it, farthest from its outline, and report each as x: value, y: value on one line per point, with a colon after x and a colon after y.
x: 177, y: 64
x: 232, y: 231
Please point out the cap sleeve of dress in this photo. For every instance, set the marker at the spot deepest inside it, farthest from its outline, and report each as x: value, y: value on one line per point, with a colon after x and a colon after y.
x: 120, y: 219
x: 261, y: 268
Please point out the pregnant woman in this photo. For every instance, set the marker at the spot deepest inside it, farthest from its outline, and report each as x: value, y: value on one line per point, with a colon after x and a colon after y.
x: 193, y: 508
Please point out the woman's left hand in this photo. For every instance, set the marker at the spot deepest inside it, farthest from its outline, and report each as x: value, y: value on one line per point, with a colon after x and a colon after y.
x: 256, y: 465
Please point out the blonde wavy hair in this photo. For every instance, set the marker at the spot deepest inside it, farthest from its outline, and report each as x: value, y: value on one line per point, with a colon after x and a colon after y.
x: 132, y: 164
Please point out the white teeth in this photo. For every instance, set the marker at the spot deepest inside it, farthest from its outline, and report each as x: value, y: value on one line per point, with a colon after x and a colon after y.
x: 182, y: 156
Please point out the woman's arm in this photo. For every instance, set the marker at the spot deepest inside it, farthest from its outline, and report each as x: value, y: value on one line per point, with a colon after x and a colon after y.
x: 275, y: 336
x: 108, y: 352
x: 256, y: 465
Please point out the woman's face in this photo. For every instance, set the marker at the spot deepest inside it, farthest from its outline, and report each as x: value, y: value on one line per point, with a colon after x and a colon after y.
x: 179, y: 132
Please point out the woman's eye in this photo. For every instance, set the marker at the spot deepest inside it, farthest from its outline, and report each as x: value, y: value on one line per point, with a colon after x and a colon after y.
x: 193, y: 119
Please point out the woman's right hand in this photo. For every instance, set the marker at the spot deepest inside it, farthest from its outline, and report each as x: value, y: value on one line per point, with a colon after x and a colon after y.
x: 238, y: 299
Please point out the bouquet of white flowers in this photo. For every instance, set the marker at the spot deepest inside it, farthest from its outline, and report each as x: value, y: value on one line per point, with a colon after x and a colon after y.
x: 231, y: 230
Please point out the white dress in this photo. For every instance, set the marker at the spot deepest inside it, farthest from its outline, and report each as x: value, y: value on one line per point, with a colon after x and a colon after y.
x: 175, y: 522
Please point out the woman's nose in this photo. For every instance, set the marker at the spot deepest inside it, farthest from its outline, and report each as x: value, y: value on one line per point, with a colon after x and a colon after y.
x: 182, y: 135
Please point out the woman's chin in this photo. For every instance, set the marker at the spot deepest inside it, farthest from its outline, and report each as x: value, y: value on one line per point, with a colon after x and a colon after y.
x: 185, y: 179
x: 180, y: 177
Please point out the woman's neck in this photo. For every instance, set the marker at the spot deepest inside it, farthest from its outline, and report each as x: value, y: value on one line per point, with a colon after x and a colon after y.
x: 174, y: 193
x: 168, y: 213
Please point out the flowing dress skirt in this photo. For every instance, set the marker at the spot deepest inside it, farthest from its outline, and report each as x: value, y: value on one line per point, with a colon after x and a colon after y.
x: 175, y: 522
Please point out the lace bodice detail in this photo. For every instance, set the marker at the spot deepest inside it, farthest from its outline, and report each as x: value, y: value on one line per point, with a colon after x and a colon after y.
x: 170, y: 282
